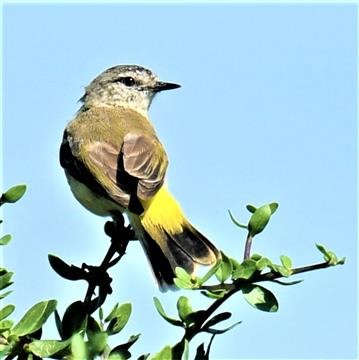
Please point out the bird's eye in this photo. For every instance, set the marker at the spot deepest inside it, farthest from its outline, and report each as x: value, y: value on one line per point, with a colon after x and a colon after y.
x: 127, y: 80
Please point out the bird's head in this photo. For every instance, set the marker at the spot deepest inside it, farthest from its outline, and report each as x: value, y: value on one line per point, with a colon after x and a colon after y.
x: 130, y: 86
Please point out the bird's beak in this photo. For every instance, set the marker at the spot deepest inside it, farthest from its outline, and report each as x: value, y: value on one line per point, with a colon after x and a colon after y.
x: 160, y: 86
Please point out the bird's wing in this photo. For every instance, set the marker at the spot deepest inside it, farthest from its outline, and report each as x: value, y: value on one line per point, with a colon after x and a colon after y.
x: 145, y: 159
x: 137, y: 169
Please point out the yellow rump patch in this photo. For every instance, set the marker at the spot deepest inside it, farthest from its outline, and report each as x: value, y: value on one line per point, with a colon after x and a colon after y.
x: 163, y: 211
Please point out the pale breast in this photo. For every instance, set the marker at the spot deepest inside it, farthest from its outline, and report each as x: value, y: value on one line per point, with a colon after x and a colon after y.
x: 91, y: 201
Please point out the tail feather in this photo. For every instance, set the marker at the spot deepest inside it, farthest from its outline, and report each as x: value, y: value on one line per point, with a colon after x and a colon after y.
x: 195, y: 245
x: 161, y: 265
x: 169, y: 240
x: 183, y: 250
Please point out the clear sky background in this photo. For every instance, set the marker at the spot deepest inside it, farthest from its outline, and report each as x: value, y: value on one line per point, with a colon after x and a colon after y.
x: 266, y: 112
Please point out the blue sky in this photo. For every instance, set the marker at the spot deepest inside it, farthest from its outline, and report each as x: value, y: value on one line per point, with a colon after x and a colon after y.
x: 266, y: 112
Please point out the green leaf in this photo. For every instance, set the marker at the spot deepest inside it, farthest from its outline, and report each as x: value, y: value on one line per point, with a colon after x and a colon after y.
x: 64, y: 270
x: 5, y: 325
x: 47, y: 348
x: 164, y: 354
x: 144, y: 357
x: 100, y: 313
x: 34, y: 318
x: 246, y: 270
x: 78, y: 348
x: 201, y: 353
x: 119, y: 318
x: 211, y: 272
x: 214, y: 294
x: 97, y: 338
x: 180, y: 350
x: 97, y: 343
x: 283, y: 271
x: 260, y: 298
x: 273, y: 207
x: 286, y: 261
x: 161, y: 311
x: 222, y: 331
x: 6, y: 311
x: 121, y: 351
x: 184, y: 280
x: 256, y: 257
x: 263, y: 263
x: 13, y: 194
x: 5, y: 280
x: 2, y: 296
x: 321, y: 248
x: 184, y: 308
x: 74, y: 319
x: 217, y: 319
x: 117, y: 311
x: 58, y: 323
x: 236, y: 222
x: 235, y: 264
x: 5, y: 350
x: 329, y: 256
x: 181, y: 284
x: 260, y: 219
x: 127, y: 345
x: 4, y: 240
x: 182, y: 274
x: 131, y: 341
x: 92, y: 327
x: 225, y: 269
x: 112, y: 314
x: 36, y: 335
x: 119, y: 355
x: 332, y: 258
x: 252, y: 209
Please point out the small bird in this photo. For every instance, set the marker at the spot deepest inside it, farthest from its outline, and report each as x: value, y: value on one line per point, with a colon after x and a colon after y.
x: 115, y: 164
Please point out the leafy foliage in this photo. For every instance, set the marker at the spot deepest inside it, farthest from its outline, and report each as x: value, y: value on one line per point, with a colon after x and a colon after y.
x: 13, y: 194
x: 34, y: 318
x: 82, y: 336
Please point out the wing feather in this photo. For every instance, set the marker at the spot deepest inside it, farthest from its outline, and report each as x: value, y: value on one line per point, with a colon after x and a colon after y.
x: 133, y: 172
x: 145, y: 159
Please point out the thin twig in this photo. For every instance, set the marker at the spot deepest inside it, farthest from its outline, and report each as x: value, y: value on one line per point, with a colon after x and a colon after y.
x: 263, y: 277
x: 94, y: 280
x: 247, y: 248
x: 196, y: 328
x: 272, y: 275
x: 234, y: 287
x: 97, y: 276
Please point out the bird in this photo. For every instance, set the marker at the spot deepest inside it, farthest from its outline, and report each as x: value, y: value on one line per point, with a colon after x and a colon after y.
x: 115, y: 164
